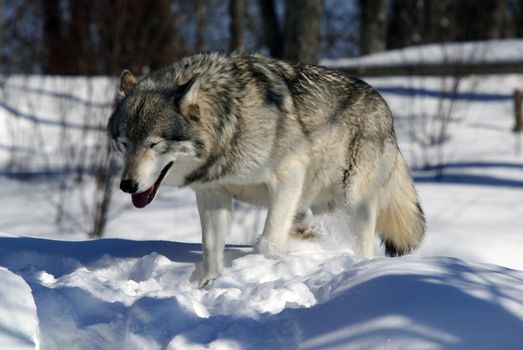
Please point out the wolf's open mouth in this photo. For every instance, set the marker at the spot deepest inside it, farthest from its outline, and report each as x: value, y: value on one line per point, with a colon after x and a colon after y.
x: 140, y: 200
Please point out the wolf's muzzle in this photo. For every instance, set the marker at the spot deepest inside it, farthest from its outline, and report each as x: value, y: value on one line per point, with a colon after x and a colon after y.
x: 128, y: 186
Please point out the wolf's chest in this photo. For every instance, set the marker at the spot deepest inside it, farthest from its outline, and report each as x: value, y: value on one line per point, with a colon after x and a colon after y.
x: 253, y: 194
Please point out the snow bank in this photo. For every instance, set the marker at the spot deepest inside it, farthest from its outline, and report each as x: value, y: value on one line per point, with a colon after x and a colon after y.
x: 18, y: 320
x: 122, y: 294
x: 508, y: 50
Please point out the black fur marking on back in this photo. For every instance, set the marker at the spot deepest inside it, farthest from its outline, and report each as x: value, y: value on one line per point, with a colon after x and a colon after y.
x: 225, y: 110
x: 292, y: 83
x: 296, y: 93
x: 272, y: 95
x: 341, y: 107
x: 354, y: 91
x: 304, y: 128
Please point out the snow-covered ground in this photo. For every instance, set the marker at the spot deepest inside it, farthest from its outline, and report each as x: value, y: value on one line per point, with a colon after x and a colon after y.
x: 123, y: 294
x: 508, y: 50
x: 463, y: 289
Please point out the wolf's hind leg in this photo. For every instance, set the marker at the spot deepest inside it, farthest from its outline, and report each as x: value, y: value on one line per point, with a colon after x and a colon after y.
x: 284, y: 194
x: 362, y: 223
x: 361, y: 190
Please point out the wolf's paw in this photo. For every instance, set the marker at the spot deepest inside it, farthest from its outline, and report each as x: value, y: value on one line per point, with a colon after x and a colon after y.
x: 270, y: 248
x: 306, y: 232
x: 201, y: 277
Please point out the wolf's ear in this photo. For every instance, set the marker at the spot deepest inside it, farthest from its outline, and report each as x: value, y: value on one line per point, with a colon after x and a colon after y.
x: 189, y: 99
x: 127, y: 82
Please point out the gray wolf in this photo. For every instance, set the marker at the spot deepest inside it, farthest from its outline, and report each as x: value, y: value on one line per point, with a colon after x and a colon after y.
x: 291, y: 137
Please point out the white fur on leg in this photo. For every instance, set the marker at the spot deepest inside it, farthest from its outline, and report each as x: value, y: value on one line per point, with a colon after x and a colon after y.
x: 215, y: 213
x: 285, y: 191
x: 362, y: 222
x: 270, y: 249
x: 203, y: 276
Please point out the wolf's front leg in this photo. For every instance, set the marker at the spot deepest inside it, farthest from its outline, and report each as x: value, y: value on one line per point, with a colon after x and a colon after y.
x: 285, y: 192
x: 214, y: 208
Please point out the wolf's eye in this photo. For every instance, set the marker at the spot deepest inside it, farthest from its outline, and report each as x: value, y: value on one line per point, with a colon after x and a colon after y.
x: 153, y: 144
x: 124, y: 144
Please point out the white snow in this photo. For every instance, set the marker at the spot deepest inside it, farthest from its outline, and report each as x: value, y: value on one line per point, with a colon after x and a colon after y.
x: 114, y: 294
x: 18, y: 320
x: 508, y: 50
x: 463, y: 289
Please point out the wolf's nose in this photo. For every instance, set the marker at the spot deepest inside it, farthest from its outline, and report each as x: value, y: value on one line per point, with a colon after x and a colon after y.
x: 128, y: 186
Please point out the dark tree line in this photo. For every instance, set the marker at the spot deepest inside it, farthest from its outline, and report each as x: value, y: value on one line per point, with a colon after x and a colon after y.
x: 100, y: 37
x: 431, y: 21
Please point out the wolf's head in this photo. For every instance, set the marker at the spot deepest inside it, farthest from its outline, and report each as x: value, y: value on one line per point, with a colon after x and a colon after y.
x: 153, y: 127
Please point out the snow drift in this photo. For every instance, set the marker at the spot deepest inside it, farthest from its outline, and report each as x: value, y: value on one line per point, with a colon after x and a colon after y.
x: 123, y: 294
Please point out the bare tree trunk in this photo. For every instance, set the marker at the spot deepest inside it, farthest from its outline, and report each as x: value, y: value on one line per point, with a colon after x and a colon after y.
x: 438, y: 21
x: 473, y: 22
x: 404, y: 23
x: 516, y: 10
x: 53, y: 38
x: 1, y: 31
x: 498, y: 20
x: 303, y: 30
x: 237, y: 13
x: 105, y: 176
x: 80, y: 48
x: 373, y: 26
x: 271, y: 28
x: 201, y: 19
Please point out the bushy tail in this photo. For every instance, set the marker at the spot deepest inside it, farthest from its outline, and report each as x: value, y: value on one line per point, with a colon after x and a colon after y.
x: 401, y: 222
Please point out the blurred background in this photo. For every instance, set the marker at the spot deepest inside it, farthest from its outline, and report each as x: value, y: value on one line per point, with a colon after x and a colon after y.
x: 83, y: 37
x: 451, y: 72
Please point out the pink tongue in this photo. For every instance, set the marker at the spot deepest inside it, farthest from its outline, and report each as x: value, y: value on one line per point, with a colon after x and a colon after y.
x: 140, y: 200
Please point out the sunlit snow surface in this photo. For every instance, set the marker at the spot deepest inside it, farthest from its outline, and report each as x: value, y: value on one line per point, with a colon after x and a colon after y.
x: 114, y: 294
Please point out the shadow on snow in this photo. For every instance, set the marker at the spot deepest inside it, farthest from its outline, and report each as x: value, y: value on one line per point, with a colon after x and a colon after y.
x: 427, y: 175
x: 435, y: 309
